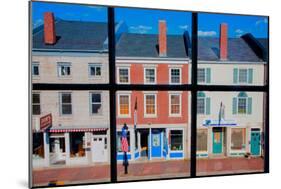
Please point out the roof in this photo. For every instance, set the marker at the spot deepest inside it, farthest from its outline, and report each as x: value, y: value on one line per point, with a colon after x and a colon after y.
x: 92, y: 36
x: 146, y: 45
x: 74, y: 35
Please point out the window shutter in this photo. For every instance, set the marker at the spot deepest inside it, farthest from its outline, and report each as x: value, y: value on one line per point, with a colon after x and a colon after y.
x: 235, y: 75
x: 208, y: 75
x: 249, y: 105
x: 208, y: 106
x: 234, y: 106
x: 250, y: 75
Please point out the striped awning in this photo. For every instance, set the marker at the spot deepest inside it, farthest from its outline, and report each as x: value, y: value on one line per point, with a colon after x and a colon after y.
x: 76, y: 130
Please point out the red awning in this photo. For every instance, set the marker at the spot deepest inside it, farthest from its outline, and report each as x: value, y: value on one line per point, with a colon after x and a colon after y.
x: 76, y: 130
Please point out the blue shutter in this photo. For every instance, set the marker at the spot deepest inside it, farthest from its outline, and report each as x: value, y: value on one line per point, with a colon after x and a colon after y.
x: 249, y: 108
x: 235, y: 75
x: 208, y: 106
x: 234, y: 106
x: 250, y: 75
x: 208, y: 75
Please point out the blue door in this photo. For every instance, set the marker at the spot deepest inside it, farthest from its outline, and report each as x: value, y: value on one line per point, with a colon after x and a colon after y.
x: 217, y: 140
x: 255, y: 143
x: 156, y: 143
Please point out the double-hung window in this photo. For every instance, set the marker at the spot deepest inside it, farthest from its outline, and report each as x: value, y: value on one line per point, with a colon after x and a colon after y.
x: 36, y: 108
x: 175, y: 104
x: 35, y: 69
x: 242, y: 104
x: 123, y: 75
x: 203, y: 104
x: 243, y: 75
x: 64, y: 69
x: 65, y: 103
x: 150, y: 105
x: 204, y: 75
x: 124, y: 105
x: 150, y: 75
x: 95, y: 70
x: 175, y: 75
x: 96, y: 104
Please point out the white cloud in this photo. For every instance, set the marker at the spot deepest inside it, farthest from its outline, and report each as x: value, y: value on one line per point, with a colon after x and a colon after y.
x: 140, y: 29
x: 206, y: 33
x: 37, y: 23
x: 262, y: 21
x: 239, y: 32
x: 183, y: 27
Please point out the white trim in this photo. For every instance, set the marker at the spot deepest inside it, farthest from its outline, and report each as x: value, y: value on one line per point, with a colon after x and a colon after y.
x: 205, y: 75
x: 95, y: 65
x: 229, y: 62
x: 91, y: 103
x: 59, y: 64
x: 145, y: 67
x: 129, y: 75
x: 170, y: 75
x: 180, y: 102
x: 155, y: 104
x: 177, y: 129
x: 60, y: 103
x: 118, y: 102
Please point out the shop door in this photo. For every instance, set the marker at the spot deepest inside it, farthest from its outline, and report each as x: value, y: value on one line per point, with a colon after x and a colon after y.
x: 98, y: 149
x: 255, y: 143
x: 156, y: 143
x: 217, y: 140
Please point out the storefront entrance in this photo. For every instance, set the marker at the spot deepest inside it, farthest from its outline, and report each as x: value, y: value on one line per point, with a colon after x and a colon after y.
x: 218, y: 140
x: 99, y: 149
x: 255, y: 142
x: 144, y: 133
x: 156, y: 143
x: 57, y: 149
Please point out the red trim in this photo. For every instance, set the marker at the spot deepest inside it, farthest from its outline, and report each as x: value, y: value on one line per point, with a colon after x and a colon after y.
x: 76, y: 130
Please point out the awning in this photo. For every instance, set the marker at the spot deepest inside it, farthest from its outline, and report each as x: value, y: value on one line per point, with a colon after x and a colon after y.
x: 76, y: 130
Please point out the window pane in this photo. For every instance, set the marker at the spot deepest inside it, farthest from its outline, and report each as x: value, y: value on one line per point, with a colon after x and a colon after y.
x: 96, y: 98
x: 229, y: 142
x: 66, y: 109
x: 66, y: 98
x: 77, y: 145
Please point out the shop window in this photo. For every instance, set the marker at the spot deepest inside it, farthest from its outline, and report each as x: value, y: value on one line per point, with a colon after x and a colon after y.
x: 64, y: 69
x: 96, y: 106
x: 38, y: 145
x: 35, y: 69
x: 94, y: 70
x: 123, y: 75
x: 238, y: 139
x: 150, y: 75
x: 119, y: 149
x: 175, y: 76
x: 36, y: 108
x: 176, y: 140
x: 66, y: 103
x: 175, y: 104
x: 77, y: 144
x: 57, y: 142
x: 124, y: 105
x: 201, y: 141
x: 150, y: 104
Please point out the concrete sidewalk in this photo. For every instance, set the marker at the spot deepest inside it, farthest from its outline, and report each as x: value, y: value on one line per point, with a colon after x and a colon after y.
x: 146, y: 170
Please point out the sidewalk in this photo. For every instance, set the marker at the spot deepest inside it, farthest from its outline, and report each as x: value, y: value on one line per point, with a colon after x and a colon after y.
x: 147, y: 170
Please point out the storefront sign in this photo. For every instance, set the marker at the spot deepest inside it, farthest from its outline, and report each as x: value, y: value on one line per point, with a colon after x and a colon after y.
x: 45, y: 121
x: 219, y: 123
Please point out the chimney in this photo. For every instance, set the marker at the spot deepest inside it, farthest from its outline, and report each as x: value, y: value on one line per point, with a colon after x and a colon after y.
x: 223, y: 41
x: 49, y: 28
x: 162, y: 41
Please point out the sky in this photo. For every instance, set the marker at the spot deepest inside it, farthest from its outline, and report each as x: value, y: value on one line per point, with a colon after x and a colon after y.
x: 145, y: 21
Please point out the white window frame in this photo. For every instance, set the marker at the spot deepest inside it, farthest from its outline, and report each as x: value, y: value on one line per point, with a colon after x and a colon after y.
x: 60, y: 103
x: 32, y: 69
x: 170, y: 104
x: 205, y: 75
x: 204, y: 101
x: 170, y: 75
x: 155, y: 103
x: 95, y: 65
x: 37, y: 104
x: 155, y: 74
x: 91, y: 103
x: 170, y: 145
x: 118, y: 100
x: 118, y: 76
x: 238, y: 75
x: 246, y: 107
x: 59, y: 65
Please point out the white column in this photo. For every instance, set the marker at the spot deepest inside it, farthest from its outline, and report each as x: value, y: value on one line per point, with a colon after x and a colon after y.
x: 46, y: 149
x: 67, y: 148
x: 132, y: 142
x: 210, y: 141
x: 150, y: 144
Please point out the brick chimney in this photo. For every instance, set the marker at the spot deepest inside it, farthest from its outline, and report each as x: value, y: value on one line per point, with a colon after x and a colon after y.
x: 162, y: 38
x: 223, y: 41
x: 49, y: 28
